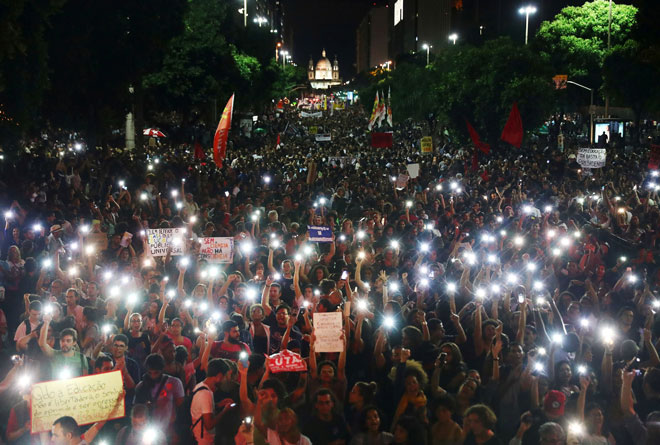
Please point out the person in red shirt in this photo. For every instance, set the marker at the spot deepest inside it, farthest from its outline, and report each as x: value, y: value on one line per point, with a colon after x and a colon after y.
x: 231, y: 346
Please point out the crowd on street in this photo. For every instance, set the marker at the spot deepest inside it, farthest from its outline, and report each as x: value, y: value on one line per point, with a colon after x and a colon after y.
x: 507, y: 298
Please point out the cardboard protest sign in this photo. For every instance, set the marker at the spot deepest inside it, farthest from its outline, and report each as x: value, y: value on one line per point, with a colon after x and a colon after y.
x: 87, y: 399
x: 413, y: 170
x: 160, y: 239
x: 319, y: 234
x: 426, y: 144
x: 286, y: 361
x: 592, y: 157
x: 328, y: 329
x: 217, y: 249
x: 401, y: 181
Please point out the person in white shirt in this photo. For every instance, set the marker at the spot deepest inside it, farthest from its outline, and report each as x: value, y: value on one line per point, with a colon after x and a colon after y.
x: 202, y: 407
x: 33, y: 321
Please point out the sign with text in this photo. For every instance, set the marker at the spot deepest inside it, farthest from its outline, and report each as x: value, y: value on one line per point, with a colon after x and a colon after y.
x: 413, y: 170
x: 217, y: 249
x: 319, y: 234
x: 286, y: 361
x: 324, y: 137
x: 87, y: 399
x: 161, y: 239
x: 426, y: 144
x: 327, y: 329
x: 592, y: 157
x: 314, y: 114
x: 401, y: 181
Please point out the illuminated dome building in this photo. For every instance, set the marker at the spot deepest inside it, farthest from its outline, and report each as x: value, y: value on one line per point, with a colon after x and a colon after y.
x: 325, y: 74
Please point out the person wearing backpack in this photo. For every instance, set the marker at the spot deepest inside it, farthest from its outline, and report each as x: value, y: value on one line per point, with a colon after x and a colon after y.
x: 202, y: 407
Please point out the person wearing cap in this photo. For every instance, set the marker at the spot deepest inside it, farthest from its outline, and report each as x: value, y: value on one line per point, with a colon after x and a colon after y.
x: 531, y: 421
x: 54, y: 241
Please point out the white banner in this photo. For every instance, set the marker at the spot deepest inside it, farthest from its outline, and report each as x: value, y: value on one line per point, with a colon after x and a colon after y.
x: 327, y: 329
x: 413, y: 170
x: 161, y: 239
x: 217, y: 249
x: 592, y: 157
x: 323, y: 137
x: 315, y: 114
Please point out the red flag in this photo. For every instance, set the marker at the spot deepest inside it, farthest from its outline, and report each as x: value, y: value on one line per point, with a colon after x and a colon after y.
x: 484, y: 176
x: 280, y: 105
x: 513, y: 130
x: 278, y: 140
x: 199, y: 153
x: 475, y: 139
x: 221, y: 133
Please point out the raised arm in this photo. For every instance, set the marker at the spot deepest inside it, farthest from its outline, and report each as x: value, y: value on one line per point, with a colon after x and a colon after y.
x: 43, y: 337
x: 265, y: 296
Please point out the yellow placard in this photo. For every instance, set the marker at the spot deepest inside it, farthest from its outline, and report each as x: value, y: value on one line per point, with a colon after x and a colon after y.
x: 427, y: 144
x: 87, y: 399
x: 313, y: 129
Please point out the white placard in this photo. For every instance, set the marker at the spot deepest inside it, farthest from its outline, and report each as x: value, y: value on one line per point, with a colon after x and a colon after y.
x: 413, y: 170
x: 592, y: 157
x: 327, y: 329
x: 160, y: 239
x: 217, y: 249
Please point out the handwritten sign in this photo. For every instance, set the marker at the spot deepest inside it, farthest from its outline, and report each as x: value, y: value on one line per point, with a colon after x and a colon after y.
x: 87, y: 399
x: 401, y: 181
x: 160, y: 239
x: 426, y: 144
x: 413, y: 170
x: 328, y: 328
x: 319, y: 234
x: 217, y: 249
x: 286, y: 361
x: 592, y: 157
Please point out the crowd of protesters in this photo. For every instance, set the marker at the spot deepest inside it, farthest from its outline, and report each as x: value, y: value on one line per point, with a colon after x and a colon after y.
x: 509, y: 300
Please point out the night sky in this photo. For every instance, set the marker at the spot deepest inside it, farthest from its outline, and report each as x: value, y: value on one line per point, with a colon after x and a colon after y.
x: 332, y: 24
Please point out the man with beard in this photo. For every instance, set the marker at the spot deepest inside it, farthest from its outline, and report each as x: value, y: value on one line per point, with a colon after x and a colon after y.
x: 231, y: 346
x: 67, y: 362
x: 162, y: 393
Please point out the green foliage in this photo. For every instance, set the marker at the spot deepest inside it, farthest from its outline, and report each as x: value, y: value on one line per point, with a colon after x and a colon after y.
x: 576, y: 39
x: 481, y: 83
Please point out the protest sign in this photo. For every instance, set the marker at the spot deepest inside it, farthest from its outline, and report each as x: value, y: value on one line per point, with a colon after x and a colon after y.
x: 413, y: 170
x: 315, y: 114
x: 87, y: 399
x: 592, y: 157
x: 323, y: 137
x: 313, y: 129
x: 426, y: 144
x: 401, y: 181
x: 327, y: 329
x: 319, y: 234
x: 286, y: 361
x: 217, y: 249
x: 161, y: 239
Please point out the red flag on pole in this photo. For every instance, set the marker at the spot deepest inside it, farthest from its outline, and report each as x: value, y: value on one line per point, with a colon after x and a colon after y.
x: 278, y: 141
x: 199, y: 153
x: 475, y: 139
x: 221, y: 133
x: 513, y: 130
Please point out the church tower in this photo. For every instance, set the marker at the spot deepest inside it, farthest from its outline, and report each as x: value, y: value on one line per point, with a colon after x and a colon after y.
x: 335, y: 69
x: 310, y: 69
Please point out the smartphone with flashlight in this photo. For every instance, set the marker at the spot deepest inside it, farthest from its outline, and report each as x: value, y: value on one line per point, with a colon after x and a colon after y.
x: 248, y: 423
x: 344, y: 275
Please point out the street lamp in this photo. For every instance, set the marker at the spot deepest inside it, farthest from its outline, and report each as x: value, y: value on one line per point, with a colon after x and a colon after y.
x: 260, y: 20
x: 527, y: 10
x: 453, y: 37
x: 591, y: 109
x: 427, y: 47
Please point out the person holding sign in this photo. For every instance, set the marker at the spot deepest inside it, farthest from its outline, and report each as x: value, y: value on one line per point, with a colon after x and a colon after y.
x: 327, y: 375
x: 67, y: 432
x: 67, y: 362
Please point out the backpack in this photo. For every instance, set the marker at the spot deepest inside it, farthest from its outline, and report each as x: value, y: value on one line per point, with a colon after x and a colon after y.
x: 184, y: 422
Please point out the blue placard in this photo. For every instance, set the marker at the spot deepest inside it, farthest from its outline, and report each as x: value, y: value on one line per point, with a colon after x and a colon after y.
x: 319, y: 234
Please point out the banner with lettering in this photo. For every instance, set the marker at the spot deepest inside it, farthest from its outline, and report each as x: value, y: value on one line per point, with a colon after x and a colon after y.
x: 328, y: 329
x: 286, y: 361
x: 314, y: 114
x: 326, y: 137
x: 217, y: 249
x: 592, y: 157
x: 319, y: 234
x: 160, y: 239
x: 87, y: 399
x: 426, y: 144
